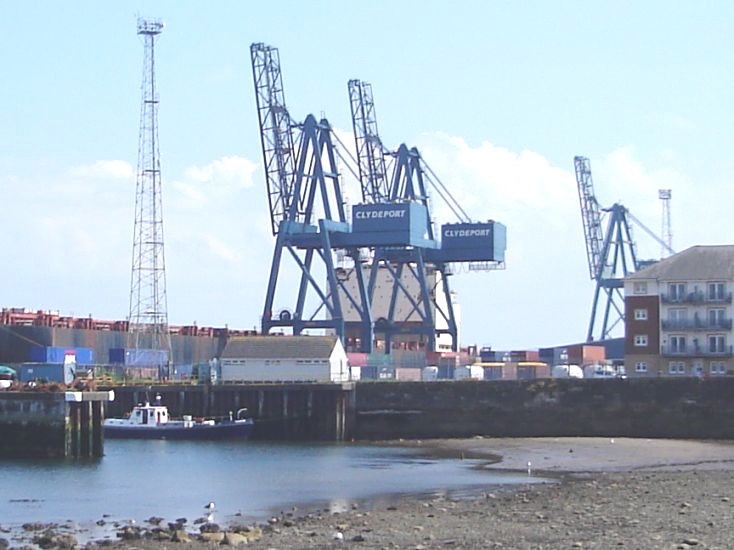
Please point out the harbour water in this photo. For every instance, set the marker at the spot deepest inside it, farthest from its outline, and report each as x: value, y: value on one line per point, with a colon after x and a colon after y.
x: 248, y: 481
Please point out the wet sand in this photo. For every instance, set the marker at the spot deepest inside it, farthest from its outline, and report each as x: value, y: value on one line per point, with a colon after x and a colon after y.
x: 603, y: 493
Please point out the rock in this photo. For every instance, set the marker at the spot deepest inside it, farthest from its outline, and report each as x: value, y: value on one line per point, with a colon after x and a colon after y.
x: 35, y: 526
x: 50, y: 539
x: 129, y: 533
x: 209, y: 528
x: 691, y: 542
x: 154, y: 520
x: 4, y: 543
x: 212, y: 537
x: 357, y: 538
x: 161, y: 535
x: 179, y: 535
x: 235, y: 539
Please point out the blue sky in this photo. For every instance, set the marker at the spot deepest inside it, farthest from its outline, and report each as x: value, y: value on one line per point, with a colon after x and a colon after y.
x: 498, y: 96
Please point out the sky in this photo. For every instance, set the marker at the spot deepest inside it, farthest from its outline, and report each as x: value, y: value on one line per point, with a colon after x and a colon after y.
x: 498, y: 96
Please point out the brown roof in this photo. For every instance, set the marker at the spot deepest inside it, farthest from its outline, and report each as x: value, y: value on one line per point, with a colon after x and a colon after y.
x: 702, y: 262
x: 279, y: 347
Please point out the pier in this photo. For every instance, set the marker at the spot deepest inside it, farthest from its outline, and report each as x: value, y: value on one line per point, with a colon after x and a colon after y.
x: 295, y: 412
x: 52, y: 425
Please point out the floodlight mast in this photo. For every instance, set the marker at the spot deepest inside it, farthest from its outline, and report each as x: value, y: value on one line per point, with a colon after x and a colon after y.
x: 666, y: 232
x: 148, y: 317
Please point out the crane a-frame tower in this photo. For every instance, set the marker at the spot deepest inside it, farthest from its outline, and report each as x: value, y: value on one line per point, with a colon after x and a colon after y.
x: 308, y: 218
x: 307, y: 210
x: 611, y: 252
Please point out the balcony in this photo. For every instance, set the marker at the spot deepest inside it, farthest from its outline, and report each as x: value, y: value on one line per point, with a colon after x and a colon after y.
x: 694, y: 350
x: 697, y: 324
x: 696, y: 297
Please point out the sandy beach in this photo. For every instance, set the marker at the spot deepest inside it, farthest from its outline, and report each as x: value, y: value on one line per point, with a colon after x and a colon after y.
x: 601, y: 493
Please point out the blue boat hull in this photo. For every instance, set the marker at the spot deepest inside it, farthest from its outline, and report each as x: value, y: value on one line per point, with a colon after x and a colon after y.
x: 233, y: 429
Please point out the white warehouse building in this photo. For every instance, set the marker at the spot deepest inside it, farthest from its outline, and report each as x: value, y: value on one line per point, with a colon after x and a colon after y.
x: 284, y: 359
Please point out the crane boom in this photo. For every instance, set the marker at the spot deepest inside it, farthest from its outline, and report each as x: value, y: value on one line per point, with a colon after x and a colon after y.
x: 276, y: 131
x: 370, y: 152
x: 590, y: 215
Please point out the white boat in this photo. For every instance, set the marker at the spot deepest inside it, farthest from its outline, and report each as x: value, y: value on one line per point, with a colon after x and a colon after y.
x: 152, y: 421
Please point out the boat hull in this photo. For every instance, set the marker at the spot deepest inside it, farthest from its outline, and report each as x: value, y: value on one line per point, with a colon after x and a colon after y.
x: 234, y: 429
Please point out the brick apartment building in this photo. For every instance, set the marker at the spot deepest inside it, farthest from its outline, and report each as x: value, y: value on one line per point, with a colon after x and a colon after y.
x: 678, y: 315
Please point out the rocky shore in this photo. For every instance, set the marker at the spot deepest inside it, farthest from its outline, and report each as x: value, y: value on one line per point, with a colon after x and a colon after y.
x: 601, y: 494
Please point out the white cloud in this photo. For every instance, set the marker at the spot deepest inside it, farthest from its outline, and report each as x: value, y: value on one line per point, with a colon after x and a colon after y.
x: 104, y: 169
x: 221, y: 249
x: 226, y: 172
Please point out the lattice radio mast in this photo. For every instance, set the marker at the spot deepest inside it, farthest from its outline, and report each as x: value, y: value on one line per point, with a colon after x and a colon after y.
x: 666, y: 231
x: 148, y: 321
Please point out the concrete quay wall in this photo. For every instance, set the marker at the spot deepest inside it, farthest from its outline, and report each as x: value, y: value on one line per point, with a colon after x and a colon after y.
x: 51, y: 425
x: 689, y: 408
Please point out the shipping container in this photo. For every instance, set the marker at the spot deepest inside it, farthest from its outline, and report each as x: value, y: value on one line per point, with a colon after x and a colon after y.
x: 45, y: 372
x: 446, y: 372
x: 471, y: 372
x: 138, y: 357
x: 55, y: 354
x: 493, y: 373
x: 372, y: 372
x: 586, y: 354
x: 408, y: 374
x: 429, y: 374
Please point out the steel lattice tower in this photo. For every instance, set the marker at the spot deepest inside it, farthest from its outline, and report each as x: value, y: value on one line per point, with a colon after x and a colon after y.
x: 148, y: 319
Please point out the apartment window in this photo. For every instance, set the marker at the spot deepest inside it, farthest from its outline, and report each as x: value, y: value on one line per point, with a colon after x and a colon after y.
x: 716, y: 317
x: 715, y: 291
x: 641, y: 366
x: 677, y: 317
x: 677, y: 291
x: 640, y: 315
x: 677, y: 367
x: 640, y: 340
x: 639, y: 287
x: 677, y: 344
x: 717, y: 343
x: 718, y: 367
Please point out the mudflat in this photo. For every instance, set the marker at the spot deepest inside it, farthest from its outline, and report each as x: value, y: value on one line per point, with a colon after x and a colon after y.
x: 600, y: 493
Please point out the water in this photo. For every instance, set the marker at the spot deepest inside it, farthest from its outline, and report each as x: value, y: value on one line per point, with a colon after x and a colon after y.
x: 172, y: 479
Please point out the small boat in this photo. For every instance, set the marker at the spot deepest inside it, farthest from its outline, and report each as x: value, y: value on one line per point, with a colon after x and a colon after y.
x: 152, y: 421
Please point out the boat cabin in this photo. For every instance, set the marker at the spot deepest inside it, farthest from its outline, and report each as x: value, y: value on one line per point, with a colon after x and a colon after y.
x: 149, y: 414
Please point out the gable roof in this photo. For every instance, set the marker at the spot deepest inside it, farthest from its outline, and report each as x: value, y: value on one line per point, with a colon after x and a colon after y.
x: 279, y: 347
x: 702, y: 262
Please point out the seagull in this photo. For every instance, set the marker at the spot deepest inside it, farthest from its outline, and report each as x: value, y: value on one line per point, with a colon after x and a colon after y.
x: 209, y: 506
x: 530, y: 467
x: 338, y: 535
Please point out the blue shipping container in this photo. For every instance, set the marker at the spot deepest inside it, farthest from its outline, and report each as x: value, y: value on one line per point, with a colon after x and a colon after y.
x: 51, y: 373
x: 138, y: 357
x: 50, y: 354
x: 446, y: 372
